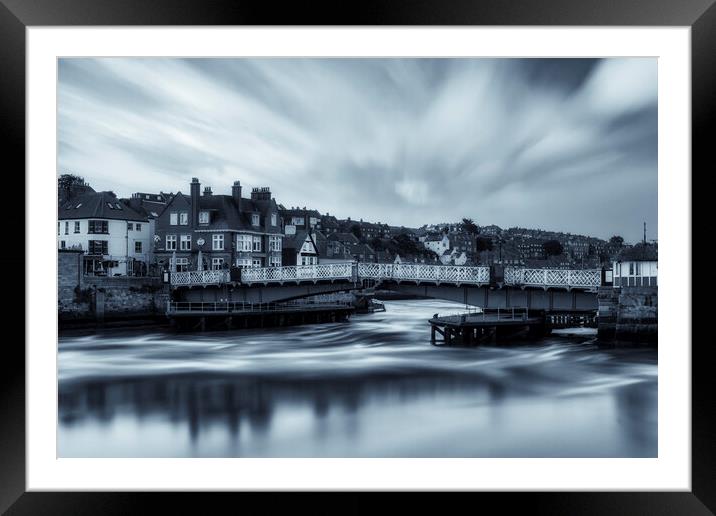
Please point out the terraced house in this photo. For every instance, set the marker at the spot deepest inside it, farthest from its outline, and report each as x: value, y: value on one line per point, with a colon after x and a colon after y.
x: 224, y: 230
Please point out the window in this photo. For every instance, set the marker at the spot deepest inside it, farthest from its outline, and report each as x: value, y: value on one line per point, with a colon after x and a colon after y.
x: 77, y: 226
x: 67, y: 228
x: 97, y: 227
x: 217, y: 263
x: 110, y: 205
x: 243, y: 262
x: 137, y: 247
x: 309, y: 260
x: 203, y: 217
x: 631, y: 268
x: 58, y: 227
x: 257, y: 244
x: 117, y: 206
x: 243, y: 243
x: 138, y: 227
x: 173, y: 218
x: 313, y: 221
x: 273, y: 219
x: 182, y: 264
x: 98, y: 247
x: 183, y: 218
x: 62, y: 244
x: 254, y: 219
x: 297, y: 221
x: 80, y: 204
x: 185, y: 243
x: 275, y: 261
x: 130, y: 226
x: 274, y: 243
x: 256, y: 262
x: 171, y: 243
x: 217, y: 242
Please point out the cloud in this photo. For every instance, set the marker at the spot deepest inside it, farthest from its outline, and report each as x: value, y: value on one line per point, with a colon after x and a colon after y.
x: 404, y: 141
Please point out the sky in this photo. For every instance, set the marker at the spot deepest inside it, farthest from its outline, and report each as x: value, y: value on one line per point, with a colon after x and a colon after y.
x: 558, y: 144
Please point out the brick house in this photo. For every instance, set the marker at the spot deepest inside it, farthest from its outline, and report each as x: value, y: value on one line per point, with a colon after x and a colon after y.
x: 227, y: 229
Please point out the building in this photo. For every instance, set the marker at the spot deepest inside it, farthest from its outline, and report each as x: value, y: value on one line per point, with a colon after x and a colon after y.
x: 637, y: 266
x: 437, y: 243
x: 300, y: 248
x: 303, y: 219
x: 115, y: 238
x: 227, y: 229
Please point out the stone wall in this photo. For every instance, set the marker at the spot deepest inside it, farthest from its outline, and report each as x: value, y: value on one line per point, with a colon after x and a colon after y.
x: 81, y: 297
x: 628, y: 313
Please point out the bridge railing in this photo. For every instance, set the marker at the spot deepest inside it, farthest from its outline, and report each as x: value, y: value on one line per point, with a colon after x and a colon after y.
x: 295, y: 273
x: 199, y: 278
x: 421, y: 272
x: 575, y: 278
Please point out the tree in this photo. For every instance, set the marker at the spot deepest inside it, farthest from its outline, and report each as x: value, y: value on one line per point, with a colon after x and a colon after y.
x: 355, y: 229
x: 470, y: 227
x: 616, y: 240
x: 552, y: 248
x: 483, y: 244
x: 66, y: 183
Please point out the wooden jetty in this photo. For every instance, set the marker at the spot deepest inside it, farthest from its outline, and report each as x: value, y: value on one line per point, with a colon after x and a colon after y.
x: 472, y: 327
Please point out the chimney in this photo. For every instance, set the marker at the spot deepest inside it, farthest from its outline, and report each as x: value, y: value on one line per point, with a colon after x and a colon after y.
x: 194, y: 190
x: 207, y: 190
x: 236, y: 194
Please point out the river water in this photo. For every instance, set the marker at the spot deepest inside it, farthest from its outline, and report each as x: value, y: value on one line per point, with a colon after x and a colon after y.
x: 371, y: 387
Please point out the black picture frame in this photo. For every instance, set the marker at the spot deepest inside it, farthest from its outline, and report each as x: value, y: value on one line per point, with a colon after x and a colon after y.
x: 16, y: 15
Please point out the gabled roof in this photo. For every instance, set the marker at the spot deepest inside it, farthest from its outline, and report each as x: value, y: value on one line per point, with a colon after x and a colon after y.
x: 296, y: 241
x: 346, y: 238
x: 98, y: 205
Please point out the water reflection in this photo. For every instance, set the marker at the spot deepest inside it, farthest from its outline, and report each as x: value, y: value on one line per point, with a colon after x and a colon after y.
x: 373, y: 387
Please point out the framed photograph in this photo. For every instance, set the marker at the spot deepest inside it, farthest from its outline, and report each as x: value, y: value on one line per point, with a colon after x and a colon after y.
x: 419, y: 253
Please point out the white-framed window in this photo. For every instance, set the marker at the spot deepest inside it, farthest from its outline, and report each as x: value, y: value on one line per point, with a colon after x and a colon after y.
x: 275, y: 261
x: 297, y: 221
x: 256, y: 262
x: 274, y: 243
x: 130, y: 226
x: 256, y: 244
x: 173, y: 218
x: 243, y: 243
x: 183, y: 218
x: 255, y: 219
x: 77, y: 226
x: 217, y: 242
x: 138, y: 227
x: 62, y: 244
x: 313, y: 221
x: 273, y: 219
x: 243, y: 262
x: 67, y: 228
x: 203, y: 217
x: 309, y: 260
x: 217, y: 264
x: 182, y: 264
x: 171, y: 243
x: 185, y: 243
x: 137, y: 247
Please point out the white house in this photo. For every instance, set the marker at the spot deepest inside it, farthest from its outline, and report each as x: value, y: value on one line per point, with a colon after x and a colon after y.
x: 437, y: 243
x: 115, y: 238
x: 637, y: 266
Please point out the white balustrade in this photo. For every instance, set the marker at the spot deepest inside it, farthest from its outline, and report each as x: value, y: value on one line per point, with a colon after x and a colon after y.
x: 587, y: 278
x: 199, y: 277
x: 452, y: 274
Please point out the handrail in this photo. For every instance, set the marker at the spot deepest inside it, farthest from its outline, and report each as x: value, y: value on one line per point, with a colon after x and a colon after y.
x: 413, y: 272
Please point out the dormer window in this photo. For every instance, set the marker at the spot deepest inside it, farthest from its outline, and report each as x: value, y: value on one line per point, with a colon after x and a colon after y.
x: 109, y: 204
x: 255, y: 219
x: 80, y: 204
x: 203, y: 217
x: 273, y: 219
